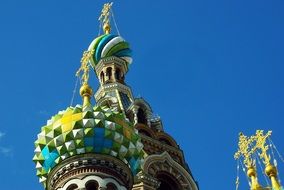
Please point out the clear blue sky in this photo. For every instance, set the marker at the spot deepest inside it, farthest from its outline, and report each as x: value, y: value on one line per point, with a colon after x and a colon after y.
x: 210, y: 69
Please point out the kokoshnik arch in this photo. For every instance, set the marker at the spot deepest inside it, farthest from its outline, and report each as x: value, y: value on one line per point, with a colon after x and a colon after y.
x: 116, y: 144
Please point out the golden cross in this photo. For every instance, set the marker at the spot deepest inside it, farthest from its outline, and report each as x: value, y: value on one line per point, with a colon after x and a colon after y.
x: 85, y: 66
x: 245, y: 150
x: 104, y: 17
x: 260, y: 140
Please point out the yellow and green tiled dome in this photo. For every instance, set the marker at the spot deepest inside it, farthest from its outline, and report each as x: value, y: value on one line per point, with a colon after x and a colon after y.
x: 109, y: 45
x: 100, y: 130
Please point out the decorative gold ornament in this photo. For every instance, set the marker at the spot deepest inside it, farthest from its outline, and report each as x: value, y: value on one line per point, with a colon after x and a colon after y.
x: 85, y: 66
x: 270, y: 170
x: 85, y: 90
x: 260, y: 140
x: 104, y: 17
x: 246, y: 151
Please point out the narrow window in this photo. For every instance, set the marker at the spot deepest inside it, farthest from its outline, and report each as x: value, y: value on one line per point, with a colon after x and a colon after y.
x: 92, y: 185
x: 141, y: 116
x: 108, y: 73
x: 117, y: 74
x: 102, y: 77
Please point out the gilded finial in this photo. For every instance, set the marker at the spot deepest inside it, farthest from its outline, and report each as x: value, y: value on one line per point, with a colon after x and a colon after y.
x: 260, y: 140
x: 105, y: 17
x: 246, y: 151
x: 85, y: 90
x: 85, y: 66
x: 270, y: 170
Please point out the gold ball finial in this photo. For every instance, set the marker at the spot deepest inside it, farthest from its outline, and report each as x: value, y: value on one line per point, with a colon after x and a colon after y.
x: 270, y: 170
x: 105, y: 17
x: 251, y: 172
x: 106, y: 28
x: 86, y: 90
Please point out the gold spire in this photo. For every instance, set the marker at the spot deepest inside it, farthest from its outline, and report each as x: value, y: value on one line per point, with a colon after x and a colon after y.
x: 270, y: 170
x: 85, y: 90
x: 246, y: 152
x: 104, y: 17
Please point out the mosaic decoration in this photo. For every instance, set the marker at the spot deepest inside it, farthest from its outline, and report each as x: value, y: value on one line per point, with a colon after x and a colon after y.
x: 100, y: 130
x: 109, y: 45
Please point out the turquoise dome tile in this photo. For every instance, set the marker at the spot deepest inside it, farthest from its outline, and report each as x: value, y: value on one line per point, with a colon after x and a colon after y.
x: 100, y: 130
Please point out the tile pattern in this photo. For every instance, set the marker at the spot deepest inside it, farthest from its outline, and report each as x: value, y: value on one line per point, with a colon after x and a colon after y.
x: 75, y: 131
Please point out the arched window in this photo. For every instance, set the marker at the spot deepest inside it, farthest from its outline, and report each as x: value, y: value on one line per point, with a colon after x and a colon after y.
x: 92, y: 185
x: 72, y: 187
x: 111, y: 186
x: 168, y: 182
x: 109, y: 73
x: 141, y: 116
x: 117, y: 74
x: 102, y: 76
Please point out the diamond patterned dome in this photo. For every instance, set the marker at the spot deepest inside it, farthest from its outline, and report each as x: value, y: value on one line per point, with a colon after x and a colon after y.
x: 74, y: 131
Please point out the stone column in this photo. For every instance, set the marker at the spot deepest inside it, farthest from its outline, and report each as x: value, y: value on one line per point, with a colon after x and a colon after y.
x: 113, y: 79
x: 148, y: 115
x: 135, y: 111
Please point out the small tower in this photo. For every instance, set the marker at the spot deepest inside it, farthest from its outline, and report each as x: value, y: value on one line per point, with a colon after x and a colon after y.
x: 111, y: 73
x: 110, y: 61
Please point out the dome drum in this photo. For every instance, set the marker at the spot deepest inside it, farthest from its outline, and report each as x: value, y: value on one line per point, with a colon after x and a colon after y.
x: 80, y: 166
x: 111, y: 61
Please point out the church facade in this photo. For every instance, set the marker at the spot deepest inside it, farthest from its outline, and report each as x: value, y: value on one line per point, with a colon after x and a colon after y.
x: 116, y: 144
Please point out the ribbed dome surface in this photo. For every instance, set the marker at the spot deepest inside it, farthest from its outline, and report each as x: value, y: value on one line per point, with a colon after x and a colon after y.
x: 109, y: 45
x: 99, y: 130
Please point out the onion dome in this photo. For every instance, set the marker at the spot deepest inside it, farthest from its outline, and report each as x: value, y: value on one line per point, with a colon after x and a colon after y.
x: 78, y: 130
x: 109, y: 45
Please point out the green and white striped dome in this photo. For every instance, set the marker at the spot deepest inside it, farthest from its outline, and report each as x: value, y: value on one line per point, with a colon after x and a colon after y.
x: 109, y: 45
x: 74, y: 131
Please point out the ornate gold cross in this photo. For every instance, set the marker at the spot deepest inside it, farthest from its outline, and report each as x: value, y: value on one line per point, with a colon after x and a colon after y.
x: 260, y: 143
x: 104, y: 17
x: 85, y: 66
x: 245, y: 150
